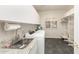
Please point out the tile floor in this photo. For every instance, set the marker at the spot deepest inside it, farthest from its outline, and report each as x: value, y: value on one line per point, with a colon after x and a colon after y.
x: 57, y: 46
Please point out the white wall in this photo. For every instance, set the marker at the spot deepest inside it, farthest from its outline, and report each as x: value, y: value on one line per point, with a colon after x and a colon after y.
x: 53, y: 32
x: 23, y: 14
x: 76, y: 24
x: 76, y: 29
x: 70, y: 29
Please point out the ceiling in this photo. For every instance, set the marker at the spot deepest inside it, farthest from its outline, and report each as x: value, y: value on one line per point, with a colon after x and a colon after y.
x: 52, y: 7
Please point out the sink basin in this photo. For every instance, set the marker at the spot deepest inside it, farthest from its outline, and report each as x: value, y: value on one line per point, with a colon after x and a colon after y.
x: 21, y: 44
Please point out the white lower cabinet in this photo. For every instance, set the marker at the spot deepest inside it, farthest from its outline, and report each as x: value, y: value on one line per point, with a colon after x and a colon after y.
x: 38, y: 48
x: 39, y: 45
x: 34, y: 49
x: 40, y: 42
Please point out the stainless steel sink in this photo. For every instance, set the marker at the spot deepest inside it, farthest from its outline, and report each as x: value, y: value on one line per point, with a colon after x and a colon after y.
x: 20, y: 44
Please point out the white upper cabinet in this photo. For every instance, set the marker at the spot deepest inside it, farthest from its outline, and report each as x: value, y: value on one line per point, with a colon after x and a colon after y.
x: 22, y: 14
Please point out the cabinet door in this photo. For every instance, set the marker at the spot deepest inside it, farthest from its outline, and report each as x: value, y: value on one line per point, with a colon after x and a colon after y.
x: 34, y: 48
x: 21, y: 14
x: 40, y: 45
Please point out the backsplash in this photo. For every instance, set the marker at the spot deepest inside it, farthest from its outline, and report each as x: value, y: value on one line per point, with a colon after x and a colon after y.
x: 9, y: 35
x: 5, y: 35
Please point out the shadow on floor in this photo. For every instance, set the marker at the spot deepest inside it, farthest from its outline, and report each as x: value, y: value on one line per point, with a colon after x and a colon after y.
x: 57, y: 46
